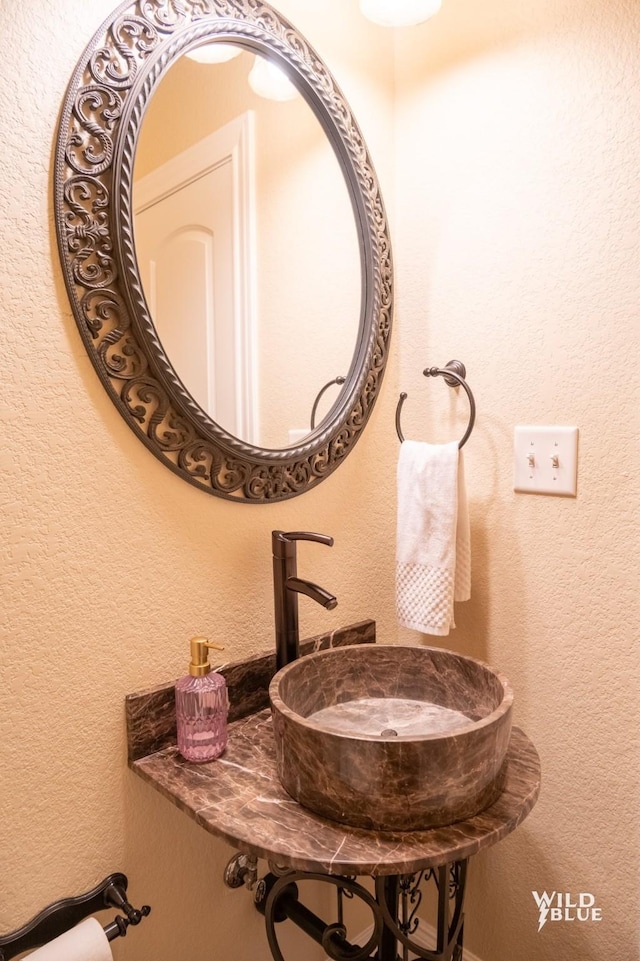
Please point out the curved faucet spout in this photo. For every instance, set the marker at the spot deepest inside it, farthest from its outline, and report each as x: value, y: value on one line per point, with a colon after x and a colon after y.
x: 283, y: 545
x: 313, y: 591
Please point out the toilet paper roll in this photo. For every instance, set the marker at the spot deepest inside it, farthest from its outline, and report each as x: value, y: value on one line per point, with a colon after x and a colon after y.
x: 86, y: 942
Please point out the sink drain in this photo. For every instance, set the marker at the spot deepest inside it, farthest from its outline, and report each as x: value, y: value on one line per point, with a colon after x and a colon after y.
x: 388, y: 732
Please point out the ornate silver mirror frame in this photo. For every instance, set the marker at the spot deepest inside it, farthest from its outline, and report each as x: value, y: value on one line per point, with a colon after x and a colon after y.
x: 99, y: 127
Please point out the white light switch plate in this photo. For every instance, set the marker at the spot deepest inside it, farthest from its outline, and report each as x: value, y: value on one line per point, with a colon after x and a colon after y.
x: 546, y: 460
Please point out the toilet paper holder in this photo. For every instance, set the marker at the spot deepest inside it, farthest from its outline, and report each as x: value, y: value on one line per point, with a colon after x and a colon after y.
x: 62, y: 915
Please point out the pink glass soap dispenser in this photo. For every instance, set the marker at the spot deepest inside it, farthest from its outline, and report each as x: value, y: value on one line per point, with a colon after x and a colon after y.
x: 202, y: 705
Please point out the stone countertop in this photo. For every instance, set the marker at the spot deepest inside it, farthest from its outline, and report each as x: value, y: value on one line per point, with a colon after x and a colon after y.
x: 239, y: 798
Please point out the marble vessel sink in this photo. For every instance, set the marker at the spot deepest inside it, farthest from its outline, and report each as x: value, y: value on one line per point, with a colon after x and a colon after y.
x: 391, y: 738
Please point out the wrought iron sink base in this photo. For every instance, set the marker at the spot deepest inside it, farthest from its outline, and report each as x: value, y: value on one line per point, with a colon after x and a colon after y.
x: 394, y: 910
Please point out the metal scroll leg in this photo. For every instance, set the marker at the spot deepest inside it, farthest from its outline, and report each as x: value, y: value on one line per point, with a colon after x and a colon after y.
x: 450, y: 880
x: 388, y: 950
x: 393, y: 935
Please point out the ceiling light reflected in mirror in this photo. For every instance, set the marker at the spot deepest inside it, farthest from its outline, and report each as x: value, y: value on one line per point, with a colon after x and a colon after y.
x: 214, y: 53
x: 268, y: 80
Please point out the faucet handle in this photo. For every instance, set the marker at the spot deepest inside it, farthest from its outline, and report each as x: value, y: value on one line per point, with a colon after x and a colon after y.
x: 283, y: 541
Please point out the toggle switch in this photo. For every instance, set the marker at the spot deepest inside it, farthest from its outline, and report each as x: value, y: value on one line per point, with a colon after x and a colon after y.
x: 546, y: 460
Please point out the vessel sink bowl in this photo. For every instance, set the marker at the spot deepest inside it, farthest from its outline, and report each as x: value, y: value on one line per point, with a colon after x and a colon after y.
x: 391, y: 738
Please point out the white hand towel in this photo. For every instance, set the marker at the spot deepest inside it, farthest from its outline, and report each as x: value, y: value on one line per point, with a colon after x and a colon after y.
x: 433, y: 565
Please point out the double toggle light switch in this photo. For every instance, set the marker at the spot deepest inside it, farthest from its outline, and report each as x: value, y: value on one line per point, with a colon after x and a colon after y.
x: 555, y: 460
x: 546, y: 460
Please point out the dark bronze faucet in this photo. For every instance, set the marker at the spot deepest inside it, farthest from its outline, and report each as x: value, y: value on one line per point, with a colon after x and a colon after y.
x: 286, y: 587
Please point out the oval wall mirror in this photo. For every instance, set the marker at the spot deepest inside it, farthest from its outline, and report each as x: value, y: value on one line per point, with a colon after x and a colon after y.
x: 224, y: 244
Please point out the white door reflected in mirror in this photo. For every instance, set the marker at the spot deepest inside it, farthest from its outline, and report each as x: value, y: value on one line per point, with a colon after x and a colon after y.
x: 194, y: 241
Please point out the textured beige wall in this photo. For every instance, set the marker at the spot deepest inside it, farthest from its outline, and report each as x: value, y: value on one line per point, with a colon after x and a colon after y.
x: 516, y: 245
x: 110, y: 562
x: 517, y: 242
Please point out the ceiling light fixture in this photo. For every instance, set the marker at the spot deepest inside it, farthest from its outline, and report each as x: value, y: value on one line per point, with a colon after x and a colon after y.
x: 399, y: 13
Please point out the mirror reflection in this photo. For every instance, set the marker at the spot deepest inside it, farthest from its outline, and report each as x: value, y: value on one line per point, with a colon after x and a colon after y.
x: 247, y: 246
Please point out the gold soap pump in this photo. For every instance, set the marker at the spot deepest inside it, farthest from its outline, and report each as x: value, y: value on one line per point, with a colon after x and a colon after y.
x: 199, y: 665
x: 202, y: 706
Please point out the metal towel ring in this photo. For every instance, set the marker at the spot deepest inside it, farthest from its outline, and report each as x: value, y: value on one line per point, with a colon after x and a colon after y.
x: 336, y: 380
x: 454, y: 373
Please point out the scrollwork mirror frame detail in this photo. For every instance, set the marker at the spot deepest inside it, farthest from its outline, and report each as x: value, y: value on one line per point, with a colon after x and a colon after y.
x: 99, y: 127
